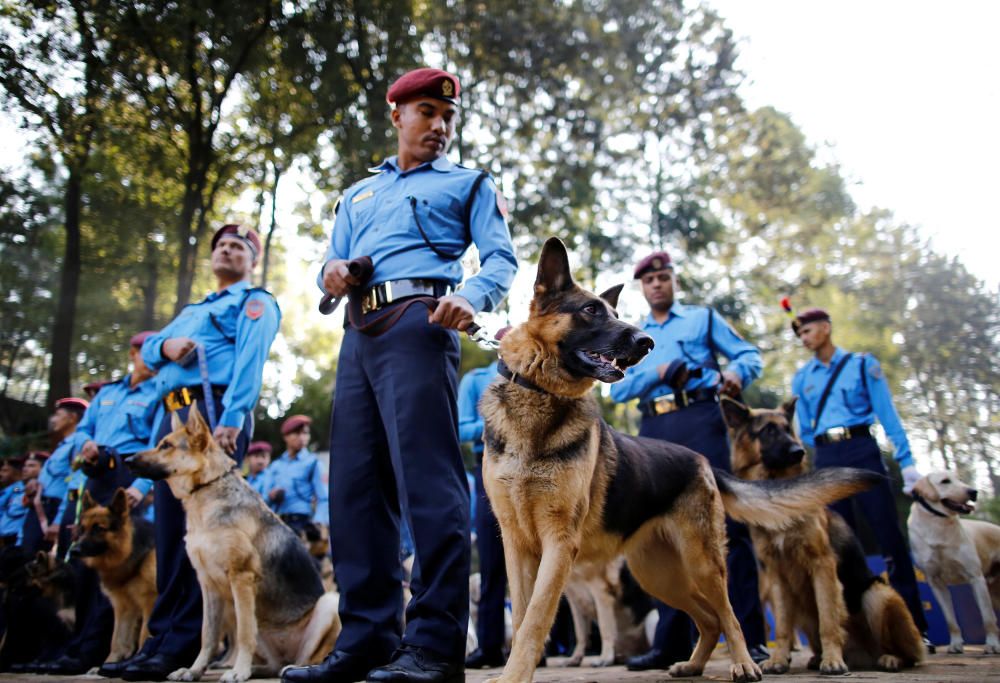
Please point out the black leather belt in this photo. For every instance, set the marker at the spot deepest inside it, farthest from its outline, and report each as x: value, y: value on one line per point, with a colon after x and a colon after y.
x: 185, y: 396
x: 677, y: 401
x: 843, y: 434
x: 385, y: 293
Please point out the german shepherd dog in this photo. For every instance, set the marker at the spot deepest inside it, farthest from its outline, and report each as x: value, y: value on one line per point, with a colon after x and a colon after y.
x: 34, y: 629
x: 815, y: 569
x: 566, y: 487
x: 257, y: 579
x: 122, y: 552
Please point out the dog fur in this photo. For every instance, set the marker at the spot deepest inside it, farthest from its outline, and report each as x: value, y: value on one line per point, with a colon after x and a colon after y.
x: 567, y: 488
x: 815, y: 570
x: 122, y: 552
x: 952, y: 551
x: 257, y: 579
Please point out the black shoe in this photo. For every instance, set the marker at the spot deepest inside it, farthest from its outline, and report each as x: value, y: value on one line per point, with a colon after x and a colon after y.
x: 928, y: 645
x: 338, y: 667
x: 115, y: 669
x: 484, y: 660
x: 655, y: 658
x: 155, y: 667
x: 69, y: 665
x: 415, y: 665
x: 759, y: 653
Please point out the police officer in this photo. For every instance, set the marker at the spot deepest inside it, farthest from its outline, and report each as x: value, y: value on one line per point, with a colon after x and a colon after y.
x: 490, y: 627
x: 839, y: 396
x: 678, y: 388
x: 117, y: 423
x: 296, y: 479
x: 223, y: 342
x: 394, y: 446
x: 12, y: 509
x: 18, y: 507
x: 53, y: 482
x: 257, y: 459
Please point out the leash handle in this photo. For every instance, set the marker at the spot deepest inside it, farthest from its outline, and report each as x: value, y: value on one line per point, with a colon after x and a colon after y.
x: 206, y: 386
x: 361, y: 269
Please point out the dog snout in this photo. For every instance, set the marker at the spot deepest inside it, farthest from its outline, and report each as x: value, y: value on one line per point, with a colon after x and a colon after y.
x: 973, y: 494
x: 796, y: 452
x: 643, y: 342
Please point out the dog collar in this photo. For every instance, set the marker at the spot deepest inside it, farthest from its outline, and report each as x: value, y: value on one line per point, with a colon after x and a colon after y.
x: 927, y: 506
x: 209, y: 483
x: 512, y: 376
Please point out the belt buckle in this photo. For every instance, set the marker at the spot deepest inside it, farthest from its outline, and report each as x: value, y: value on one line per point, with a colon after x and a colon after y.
x: 186, y: 397
x: 837, y: 434
x: 664, y: 405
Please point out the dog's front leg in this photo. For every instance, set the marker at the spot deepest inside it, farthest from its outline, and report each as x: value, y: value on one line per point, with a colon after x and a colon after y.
x: 604, y: 601
x: 989, y: 617
x: 529, y: 639
x: 832, y: 616
x: 211, y: 629
x: 943, y: 596
x: 244, y: 598
x: 784, y: 631
x: 522, y: 568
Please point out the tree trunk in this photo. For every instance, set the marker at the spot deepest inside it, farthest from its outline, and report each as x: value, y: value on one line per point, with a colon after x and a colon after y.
x: 270, y: 232
x: 149, y: 289
x: 69, y: 284
x: 188, y: 248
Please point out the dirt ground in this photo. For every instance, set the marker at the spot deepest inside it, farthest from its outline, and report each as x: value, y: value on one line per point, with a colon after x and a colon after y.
x: 970, y: 667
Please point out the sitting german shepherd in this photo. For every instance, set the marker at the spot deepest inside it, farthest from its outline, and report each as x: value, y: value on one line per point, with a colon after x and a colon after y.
x: 566, y: 487
x: 815, y: 569
x: 121, y: 550
x: 257, y: 579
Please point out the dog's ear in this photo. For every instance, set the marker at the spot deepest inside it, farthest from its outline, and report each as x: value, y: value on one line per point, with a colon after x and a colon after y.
x: 789, y: 408
x: 119, y: 504
x: 553, y: 268
x: 734, y: 413
x: 926, y: 490
x: 611, y: 295
x: 42, y: 558
x: 197, y: 430
x: 175, y: 421
x: 88, y: 500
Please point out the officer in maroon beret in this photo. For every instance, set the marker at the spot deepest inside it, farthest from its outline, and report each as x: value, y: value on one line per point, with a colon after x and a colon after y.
x: 257, y: 459
x: 393, y: 421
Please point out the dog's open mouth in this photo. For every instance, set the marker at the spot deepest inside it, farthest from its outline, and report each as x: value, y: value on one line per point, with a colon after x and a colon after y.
x: 960, y: 508
x: 603, y: 365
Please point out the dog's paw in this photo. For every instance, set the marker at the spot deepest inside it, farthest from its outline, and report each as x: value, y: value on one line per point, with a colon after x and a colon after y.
x: 744, y: 673
x: 832, y: 666
x: 776, y: 665
x: 889, y: 663
x: 93, y: 671
x: 574, y: 660
x: 991, y: 649
x: 597, y: 661
x: 235, y: 676
x: 682, y: 669
x: 184, y: 675
x: 956, y: 647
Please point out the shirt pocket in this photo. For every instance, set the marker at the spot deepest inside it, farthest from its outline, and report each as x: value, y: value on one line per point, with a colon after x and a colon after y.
x: 854, y: 396
x: 136, y: 422
x: 222, y: 323
x: 440, y: 219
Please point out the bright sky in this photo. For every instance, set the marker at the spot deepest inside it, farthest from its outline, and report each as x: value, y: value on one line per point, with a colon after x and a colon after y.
x: 906, y: 94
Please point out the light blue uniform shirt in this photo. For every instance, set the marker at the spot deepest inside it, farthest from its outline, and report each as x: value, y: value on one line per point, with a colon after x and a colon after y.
x: 260, y: 483
x: 375, y: 218
x: 302, y: 479
x: 237, y: 327
x: 12, y: 509
x: 77, y: 481
x: 121, y: 417
x: 684, y: 335
x: 470, y: 390
x: 860, y: 394
x: 56, y: 472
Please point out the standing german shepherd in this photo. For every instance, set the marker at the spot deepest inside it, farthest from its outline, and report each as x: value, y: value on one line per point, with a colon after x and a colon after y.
x: 121, y: 550
x: 815, y: 569
x: 254, y: 572
x: 566, y: 487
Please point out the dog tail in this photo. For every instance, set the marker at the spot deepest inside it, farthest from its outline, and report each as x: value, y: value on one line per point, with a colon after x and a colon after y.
x: 889, y: 620
x: 777, y: 503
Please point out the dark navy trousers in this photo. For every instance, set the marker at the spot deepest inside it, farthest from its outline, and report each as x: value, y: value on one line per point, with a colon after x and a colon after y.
x: 175, y: 624
x: 492, y: 572
x: 394, y: 451
x: 879, y: 507
x: 701, y: 428
x: 33, y: 539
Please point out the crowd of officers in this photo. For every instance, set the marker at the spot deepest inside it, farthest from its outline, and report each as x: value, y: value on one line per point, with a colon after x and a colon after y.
x: 396, y: 471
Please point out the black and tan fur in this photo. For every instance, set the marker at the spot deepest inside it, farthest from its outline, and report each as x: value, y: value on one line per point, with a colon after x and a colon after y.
x: 121, y: 550
x: 257, y: 579
x: 567, y: 488
x: 815, y: 570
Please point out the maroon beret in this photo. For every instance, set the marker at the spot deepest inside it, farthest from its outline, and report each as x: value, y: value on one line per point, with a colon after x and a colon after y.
x: 243, y: 232
x: 809, y: 315
x: 658, y: 260
x: 424, y: 82
x: 37, y: 456
x: 502, y: 332
x: 295, y: 422
x: 72, y: 403
x: 138, y: 339
x: 258, y: 447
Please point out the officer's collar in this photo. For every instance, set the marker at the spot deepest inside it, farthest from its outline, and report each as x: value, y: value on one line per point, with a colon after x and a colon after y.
x: 231, y: 289
x: 442, y: 164
x: 838, y: 353
x: 676, y: 310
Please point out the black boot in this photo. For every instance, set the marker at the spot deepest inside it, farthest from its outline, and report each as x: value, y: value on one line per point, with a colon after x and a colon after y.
x: 654, y: 658
x: 339, y: 667
x: 416, y: 665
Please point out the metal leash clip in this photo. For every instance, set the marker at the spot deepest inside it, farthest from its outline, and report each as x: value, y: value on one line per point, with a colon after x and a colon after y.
x: 480, y: 337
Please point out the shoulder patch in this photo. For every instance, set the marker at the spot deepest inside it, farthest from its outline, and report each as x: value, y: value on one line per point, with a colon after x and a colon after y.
x: 501, y: 203
x: 254, y: 309
x: 875, y: 369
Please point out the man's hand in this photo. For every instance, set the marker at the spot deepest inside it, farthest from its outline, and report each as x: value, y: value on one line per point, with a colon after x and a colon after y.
x: 911, y: 475
x: 89, y: 453
x: 337, y: 279
x: 277, y: 495
x: 134, y: 496
x: 454, y: 312
x: 732, y: 385
x: 52, y: 533
x: 226, y: 437
x: 176, y: 348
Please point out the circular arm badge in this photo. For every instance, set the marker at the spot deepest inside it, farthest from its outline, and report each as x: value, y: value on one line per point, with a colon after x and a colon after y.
x: 254, y: 309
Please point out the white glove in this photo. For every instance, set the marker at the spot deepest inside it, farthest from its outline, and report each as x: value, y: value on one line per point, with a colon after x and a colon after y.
x: 910, y: 477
